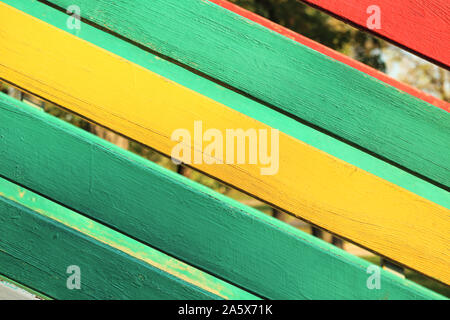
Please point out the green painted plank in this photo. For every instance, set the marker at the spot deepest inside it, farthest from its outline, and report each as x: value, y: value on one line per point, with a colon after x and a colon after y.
x: 302, y: 82
x: 41, y: 239
x: 239, y: 103
x: 179, y: 216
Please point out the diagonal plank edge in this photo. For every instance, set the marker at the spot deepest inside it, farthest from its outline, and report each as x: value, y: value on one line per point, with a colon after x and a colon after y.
x: 303, y: 83
x: 422, y: 27
x: 334, y: 54
x: 178, y: 216
x: 333, y: 194
x: 242, y: 104
x: 52, y: 238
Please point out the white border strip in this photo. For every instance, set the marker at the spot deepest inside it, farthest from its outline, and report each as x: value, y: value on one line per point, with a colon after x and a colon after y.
x: 9, y: 291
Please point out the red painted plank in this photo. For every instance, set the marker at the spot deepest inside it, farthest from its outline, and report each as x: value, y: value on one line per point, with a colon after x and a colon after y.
x: 420, y: 26
x: 333, y: 54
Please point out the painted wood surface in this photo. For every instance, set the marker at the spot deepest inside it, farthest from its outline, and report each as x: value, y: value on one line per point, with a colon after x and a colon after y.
x: 420, y: 26
x: 333, y: 54
x: 241, y: 104
x: 41, y: 239
x: 353, y: 203
x: 181, y: 217
x: 303, y: 82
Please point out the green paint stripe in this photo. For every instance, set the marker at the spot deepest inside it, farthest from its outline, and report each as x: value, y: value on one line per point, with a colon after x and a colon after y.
x: 240, y: 103
x: 179, y: 216
x: 286, y: 74
x: 47, y: 238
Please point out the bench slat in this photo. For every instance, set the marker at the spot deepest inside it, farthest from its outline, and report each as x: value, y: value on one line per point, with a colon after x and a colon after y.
x: 302, y: 82
x: 422, y: 27
x: 333, y: 54
x: 181, y: 217
x: 41, y: 239
x: 243, y: 105
x: 361, y: 205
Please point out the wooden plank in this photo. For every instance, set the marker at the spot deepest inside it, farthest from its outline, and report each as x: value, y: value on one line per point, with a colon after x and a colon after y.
x: 303, y: 83
x: 179, y: 216
x: 41, y: 239
x: 241, y: 104
x: 422, y: 27
x: 333, y: 54
x: 353, y: 203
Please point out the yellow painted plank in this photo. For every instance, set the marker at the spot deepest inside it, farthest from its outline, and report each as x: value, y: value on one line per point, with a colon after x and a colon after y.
x: 149, y: 108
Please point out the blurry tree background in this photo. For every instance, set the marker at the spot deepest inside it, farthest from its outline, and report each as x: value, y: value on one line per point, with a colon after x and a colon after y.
x: 320, y: 27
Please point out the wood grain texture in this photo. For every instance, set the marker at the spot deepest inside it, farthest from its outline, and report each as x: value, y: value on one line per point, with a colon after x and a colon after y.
x: 420, y: 26
x: 240, y: 103
x: 353, y: 203
x: 181, y: 217
x: 41, y: 239
x: 333, y: 54
x: 303, y: 82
